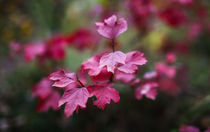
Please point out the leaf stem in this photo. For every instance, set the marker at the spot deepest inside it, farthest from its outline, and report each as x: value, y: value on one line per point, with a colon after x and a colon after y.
x: 80, y: 82
x: 113, y: 50
x: 113, y: 45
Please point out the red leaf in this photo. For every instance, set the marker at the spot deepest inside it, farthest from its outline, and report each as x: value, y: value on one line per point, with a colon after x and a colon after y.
x: 111, y: 60
x: 124, y: 77
x: 148, y: 89
x: 111, y: 28
x: 104, y: 95
x: 74, y: 99
x: 42, y: 89
x: 133, y: 59
x: 31, y: 51
x: 92, y: 64
x: 50, y: 101
x: 163, y: 69
x: 62, y: 78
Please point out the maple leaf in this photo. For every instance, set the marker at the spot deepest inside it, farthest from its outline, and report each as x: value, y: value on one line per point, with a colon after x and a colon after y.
x: 74, y: 99
x: 111, y: 28
x: 168, y: 85
x: 128, y: 68
x: 173, y: 17
x: 42, y: 89
x: 31, y: 51
x: 97, y: 74
x: 92, y: 64
x: 124, y: 77
x: 111, y: 60
x: 82, y: 38
x: 164, y: 69
x: 104, y: 94
x: 147, y: 89
x: 56, y: 47
x: 102, y: 77
x: 50, y: 101
x: 62, y: 78
x: 133, y: 59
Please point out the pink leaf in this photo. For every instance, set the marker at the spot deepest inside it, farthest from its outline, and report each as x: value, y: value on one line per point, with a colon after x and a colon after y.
x: 111, y: 28
x: 135, y: 82
x: 150, y: 75
x: 147, y: 89
x: 50, y: 101
x: 74, y: 98
x: 168, y: 85
x: 97, y: 74
x: 136, y: 58
x: 170, y: 57
x: 173, y: 16
x: 56, y: 47
x: 33, y: 50
x: 141, y: 11
x: 42, y: 89
x: 82, y: 39
x: 62, y: 78
x: 133, y: 59
x: 194, y: 30
x: 102, y: 77
x: 163, y: 69
x: 104, y: 95
x: 124, y: 77
x: 111, y: 60
x: 185, y: 128
x: 92, y: 65
x: 128, y: 68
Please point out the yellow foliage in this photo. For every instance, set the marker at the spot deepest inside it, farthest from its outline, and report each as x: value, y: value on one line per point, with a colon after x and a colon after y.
x: 154, y: 40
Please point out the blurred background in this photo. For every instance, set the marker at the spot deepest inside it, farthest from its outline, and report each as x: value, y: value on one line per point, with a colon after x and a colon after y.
x: 67, y: 31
